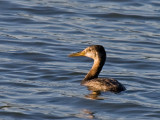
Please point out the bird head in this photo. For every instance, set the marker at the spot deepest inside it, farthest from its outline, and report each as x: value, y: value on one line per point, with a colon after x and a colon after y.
x: 94, y: 51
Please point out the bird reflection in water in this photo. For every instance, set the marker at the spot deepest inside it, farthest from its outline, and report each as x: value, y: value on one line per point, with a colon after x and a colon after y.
x: 85, y: 114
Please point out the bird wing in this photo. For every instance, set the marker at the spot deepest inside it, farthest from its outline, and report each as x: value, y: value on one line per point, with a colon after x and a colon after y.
x: 104, y: 84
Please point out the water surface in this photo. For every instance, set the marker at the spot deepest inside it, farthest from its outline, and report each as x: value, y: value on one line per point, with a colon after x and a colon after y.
x: 39, y: 81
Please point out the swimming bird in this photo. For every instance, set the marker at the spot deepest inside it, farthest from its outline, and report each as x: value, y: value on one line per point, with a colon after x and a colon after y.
x: 91, y: 80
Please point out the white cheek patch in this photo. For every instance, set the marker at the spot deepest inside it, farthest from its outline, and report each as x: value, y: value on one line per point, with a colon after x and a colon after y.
x: 89, y: 54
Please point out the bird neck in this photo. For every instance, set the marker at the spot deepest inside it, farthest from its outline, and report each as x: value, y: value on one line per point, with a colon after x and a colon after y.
x: 95, y: 70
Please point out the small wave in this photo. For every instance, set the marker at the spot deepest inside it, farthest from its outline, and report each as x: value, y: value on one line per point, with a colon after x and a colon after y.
x: 124, y: 16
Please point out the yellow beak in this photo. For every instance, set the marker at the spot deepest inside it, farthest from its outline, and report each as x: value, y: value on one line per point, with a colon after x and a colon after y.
x: 82, y: 53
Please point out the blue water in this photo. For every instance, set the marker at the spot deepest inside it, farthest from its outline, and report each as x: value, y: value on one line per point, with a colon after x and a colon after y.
x: 39, y: 81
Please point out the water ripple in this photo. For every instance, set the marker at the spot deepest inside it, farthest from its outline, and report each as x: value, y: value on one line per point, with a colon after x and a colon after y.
x: 124, y: 16
x: 39, y: 81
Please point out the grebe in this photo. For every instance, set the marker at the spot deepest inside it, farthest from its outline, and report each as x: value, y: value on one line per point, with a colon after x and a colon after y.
x: 91, y: 80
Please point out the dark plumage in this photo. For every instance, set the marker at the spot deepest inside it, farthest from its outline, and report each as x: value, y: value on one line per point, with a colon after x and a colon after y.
x: 104, y: 84
x: 91, y: 80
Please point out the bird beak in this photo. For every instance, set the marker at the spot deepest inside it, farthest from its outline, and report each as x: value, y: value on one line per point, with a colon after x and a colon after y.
x: 81, y: 53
